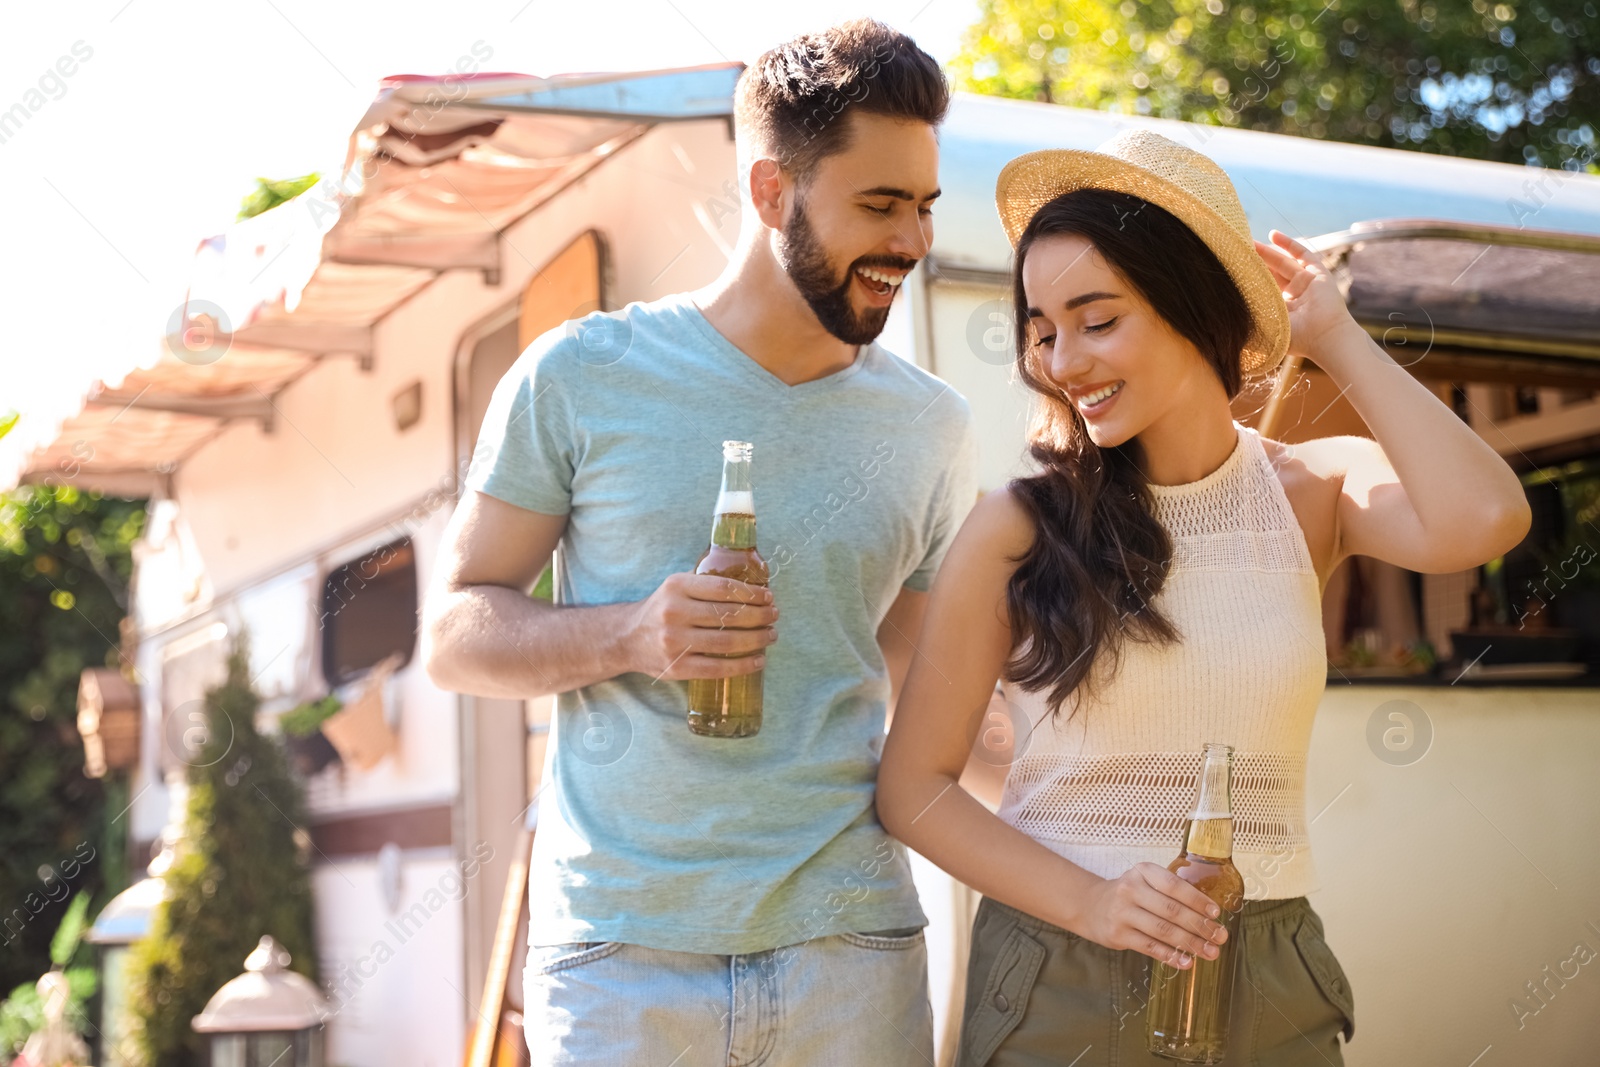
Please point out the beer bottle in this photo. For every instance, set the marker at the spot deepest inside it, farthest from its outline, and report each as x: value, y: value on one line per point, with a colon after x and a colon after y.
x: 731, y: 707
x: 1189, y: 1009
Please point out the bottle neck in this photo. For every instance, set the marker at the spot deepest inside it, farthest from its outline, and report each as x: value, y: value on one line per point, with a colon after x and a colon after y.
x: 735, y: 523
x: 1211, y: 823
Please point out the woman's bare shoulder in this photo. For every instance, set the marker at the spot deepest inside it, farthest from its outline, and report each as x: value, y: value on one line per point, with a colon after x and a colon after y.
x: 1000, y: 524
x: 971, y: 586
x: 1325, y: 459
x: 1312, y: 475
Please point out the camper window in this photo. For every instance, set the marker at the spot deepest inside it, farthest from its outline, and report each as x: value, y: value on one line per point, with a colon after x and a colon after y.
x: 369, y: 611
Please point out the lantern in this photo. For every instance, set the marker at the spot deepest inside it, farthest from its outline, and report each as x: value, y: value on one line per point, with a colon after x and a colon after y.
x: 269, y: 1016
x: 123, y: 921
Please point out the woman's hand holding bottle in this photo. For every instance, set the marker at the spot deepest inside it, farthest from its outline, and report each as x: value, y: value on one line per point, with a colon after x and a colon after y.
x: 1151, y: 910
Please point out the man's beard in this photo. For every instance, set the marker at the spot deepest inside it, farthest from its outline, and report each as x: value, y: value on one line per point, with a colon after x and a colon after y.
x: 806, y: 263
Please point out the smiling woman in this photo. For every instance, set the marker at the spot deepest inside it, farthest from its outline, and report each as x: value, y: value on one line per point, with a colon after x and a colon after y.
x: 1140, y: 313
x: 1154, y: 589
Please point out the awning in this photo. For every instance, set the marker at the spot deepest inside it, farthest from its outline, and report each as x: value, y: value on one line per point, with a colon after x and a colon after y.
x: 1468, y: 302
x: 437, y: 169
x: 1501, y: 302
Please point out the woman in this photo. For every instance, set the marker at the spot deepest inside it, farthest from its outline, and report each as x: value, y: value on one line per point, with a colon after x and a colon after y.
x: 1156, y: 586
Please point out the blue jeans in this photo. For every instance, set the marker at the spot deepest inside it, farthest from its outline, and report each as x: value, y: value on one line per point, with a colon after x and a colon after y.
x: 844, y: 999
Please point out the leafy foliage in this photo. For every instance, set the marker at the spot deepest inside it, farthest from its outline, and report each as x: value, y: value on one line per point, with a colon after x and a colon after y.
x: 270, y: 192
x: 239, y: 872
x: 303, y: 719
x: 65, y: 562
x: 1574, y: 557
x: 1511, y: 82
x: 23, y: 1011
x: 69, y: 935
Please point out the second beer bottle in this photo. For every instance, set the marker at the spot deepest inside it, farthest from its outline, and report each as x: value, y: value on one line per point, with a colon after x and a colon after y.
x: 731, y: 707
x: 1189, y: 1008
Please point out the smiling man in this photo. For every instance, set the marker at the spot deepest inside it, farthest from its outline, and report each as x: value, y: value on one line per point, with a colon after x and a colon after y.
x: 702, y: 900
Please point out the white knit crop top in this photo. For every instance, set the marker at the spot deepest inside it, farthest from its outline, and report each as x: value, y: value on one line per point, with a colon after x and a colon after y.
x: 1115, y: 786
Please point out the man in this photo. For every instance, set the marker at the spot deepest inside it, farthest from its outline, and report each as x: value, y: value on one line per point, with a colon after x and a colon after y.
x: 702, y: 900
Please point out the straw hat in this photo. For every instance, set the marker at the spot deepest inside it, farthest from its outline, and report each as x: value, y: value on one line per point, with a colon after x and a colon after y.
x: 1184, y: 182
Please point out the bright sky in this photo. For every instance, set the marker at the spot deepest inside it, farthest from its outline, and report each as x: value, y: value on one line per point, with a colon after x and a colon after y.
x: 173, y: 108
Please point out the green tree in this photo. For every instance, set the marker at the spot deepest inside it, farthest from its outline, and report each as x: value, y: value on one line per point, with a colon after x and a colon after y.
x: 1510, y: 82
x: 65, y: 562
x: 238, y: 872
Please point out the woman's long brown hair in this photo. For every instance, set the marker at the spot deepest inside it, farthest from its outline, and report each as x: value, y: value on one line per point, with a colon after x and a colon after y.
x: 1099, y: 556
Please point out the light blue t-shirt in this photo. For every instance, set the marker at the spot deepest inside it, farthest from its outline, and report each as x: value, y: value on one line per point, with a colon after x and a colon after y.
x: 650, y: 834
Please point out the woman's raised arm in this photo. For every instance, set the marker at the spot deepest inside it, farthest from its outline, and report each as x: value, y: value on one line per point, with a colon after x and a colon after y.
x: 1429, y: 494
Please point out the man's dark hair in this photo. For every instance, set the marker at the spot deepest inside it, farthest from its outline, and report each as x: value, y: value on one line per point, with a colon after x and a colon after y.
x: 794, y: 97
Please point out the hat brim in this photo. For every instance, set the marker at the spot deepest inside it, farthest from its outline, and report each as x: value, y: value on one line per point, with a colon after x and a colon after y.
x: 1030, y: 181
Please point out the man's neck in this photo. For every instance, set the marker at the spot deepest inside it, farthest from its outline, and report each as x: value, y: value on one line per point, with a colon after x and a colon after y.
x: 757, y: 308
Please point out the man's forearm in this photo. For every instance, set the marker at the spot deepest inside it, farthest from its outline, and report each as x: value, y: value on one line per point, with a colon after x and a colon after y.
x: 492, y: 641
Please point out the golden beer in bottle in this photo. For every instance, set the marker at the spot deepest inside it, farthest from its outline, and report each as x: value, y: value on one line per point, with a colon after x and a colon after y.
x: 1188, y: 1011
x: 731, y: 707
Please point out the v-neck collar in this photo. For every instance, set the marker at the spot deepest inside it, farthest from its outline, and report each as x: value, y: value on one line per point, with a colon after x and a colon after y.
x: 754, y: 370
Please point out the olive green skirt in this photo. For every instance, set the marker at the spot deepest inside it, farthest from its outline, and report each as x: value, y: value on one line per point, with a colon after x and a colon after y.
x: 1038, y: 994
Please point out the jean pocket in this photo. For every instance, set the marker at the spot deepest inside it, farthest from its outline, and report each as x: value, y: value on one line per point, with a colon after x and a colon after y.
x: 548, y: 959
x: 905, y: 937
x: 1324, y: 967
x: 999, y: 1008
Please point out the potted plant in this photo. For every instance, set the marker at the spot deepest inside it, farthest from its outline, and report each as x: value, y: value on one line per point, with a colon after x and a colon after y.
x: 361, y: 731
x: 309, y: 748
